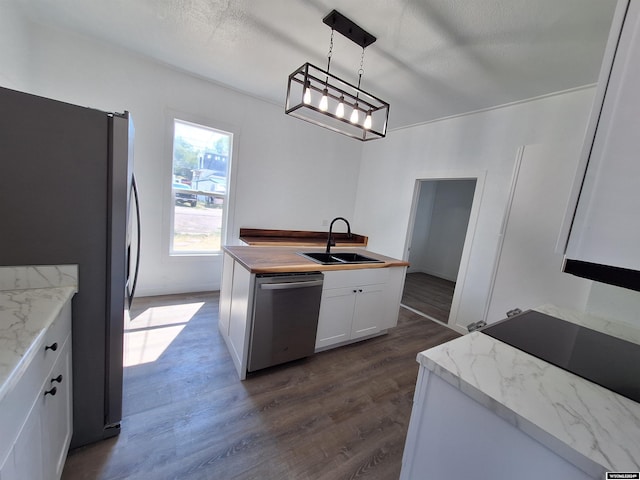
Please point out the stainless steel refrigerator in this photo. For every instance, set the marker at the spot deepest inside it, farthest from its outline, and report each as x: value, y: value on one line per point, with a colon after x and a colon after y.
x: 66, y: 188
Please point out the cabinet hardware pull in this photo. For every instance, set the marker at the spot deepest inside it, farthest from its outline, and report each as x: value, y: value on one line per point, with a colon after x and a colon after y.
x: 51, y: 392
x: 57, y: 379
x: 53, y: 347
x: 290, y: 285
x: 360, y: 290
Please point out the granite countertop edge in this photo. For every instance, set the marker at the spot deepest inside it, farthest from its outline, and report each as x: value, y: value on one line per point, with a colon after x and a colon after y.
x: 20, y: 343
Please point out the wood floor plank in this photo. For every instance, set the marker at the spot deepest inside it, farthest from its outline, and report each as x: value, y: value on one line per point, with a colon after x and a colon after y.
x: 340, y: 414
x: 429, y: 295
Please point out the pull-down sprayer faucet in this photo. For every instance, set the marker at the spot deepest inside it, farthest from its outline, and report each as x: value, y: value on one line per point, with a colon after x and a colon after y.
x: 330, y: 242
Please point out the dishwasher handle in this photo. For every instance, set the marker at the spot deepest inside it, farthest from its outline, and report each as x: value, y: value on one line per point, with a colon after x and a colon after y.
x: 288, y: 285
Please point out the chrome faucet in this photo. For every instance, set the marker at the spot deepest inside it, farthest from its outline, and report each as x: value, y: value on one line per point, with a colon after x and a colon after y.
x: 330, y: 242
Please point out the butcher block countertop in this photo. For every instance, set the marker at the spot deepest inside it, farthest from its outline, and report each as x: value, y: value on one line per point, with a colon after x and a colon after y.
x: 303, y: 238
x: 287, y: 259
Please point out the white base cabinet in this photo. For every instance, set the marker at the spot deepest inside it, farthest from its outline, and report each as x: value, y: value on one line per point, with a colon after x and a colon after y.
x: 36, y: 415
x: 57, y: 413
x: 26, y: 459
x: 452, y: 436
x: 236, y: 302
x: 358, y: 304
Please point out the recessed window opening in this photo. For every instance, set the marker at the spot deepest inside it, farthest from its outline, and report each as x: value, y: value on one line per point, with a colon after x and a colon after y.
x: 200, y: 183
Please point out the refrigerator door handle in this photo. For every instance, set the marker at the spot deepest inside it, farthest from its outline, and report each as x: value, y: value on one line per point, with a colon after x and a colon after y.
x: 135, y: 273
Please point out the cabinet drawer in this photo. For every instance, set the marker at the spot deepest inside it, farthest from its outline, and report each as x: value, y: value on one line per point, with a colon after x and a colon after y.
x: 350, y: 278
x: 57, y: 412
x: 55, y: 337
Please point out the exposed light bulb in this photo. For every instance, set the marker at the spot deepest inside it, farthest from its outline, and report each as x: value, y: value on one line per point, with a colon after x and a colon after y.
x: 367, y: 121
x: 307, y: 95
x: 354, y: 114
x: 340, y: 109
x: 324, y: 101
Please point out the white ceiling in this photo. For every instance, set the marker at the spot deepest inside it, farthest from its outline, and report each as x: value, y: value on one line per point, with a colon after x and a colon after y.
x: 432, y: 59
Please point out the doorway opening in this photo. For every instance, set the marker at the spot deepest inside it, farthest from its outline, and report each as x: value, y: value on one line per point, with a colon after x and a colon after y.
x: 438, y: 245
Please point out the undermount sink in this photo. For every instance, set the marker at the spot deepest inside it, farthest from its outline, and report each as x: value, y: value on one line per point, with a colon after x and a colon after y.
x: 338, y: 258
x: 355, y: 258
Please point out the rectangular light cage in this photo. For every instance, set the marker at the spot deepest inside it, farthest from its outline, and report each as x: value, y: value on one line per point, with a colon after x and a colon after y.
x: 321, y: 83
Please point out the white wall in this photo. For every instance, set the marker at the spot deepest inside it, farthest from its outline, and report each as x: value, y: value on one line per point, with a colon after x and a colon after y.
x: 484, y: 141
x: 422, y: 226
x: 615, y: 303
x: 439, y: 252
x: 283, y: 172
x: 14, y: 52
x: 529, y: 271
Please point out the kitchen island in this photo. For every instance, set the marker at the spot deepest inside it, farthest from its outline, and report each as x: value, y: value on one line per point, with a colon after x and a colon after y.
x: 288, y: 259
x: 359, y: 300
x: 483, y: 409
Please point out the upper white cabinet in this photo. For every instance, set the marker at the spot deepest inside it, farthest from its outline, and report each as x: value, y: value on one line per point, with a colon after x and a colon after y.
x: 605, y: 231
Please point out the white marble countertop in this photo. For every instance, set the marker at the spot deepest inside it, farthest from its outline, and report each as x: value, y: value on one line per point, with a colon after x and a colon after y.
x: 591, y: 427
x: 30, y: 300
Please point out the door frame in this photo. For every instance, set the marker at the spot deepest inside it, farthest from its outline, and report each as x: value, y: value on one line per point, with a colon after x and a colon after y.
x: 479, y: 176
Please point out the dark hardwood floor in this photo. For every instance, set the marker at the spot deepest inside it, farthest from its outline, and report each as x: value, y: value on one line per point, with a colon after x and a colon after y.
x: 429, y: 295
x: 340, y: 414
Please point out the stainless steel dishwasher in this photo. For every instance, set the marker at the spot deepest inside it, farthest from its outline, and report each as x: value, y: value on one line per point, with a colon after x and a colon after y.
x: 285, y: 318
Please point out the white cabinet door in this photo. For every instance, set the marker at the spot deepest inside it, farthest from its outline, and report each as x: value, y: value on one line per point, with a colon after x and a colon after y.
x: 57, y: 413
x: 358, y: 303
x: 336, y: 315
x: 225, y: 293
x: 392, y: 297
x: 239, y: 319
x: 377, y: 305
x: 8, y: 469
x: 370, y: 309
x: 27, y: 451
x: 606, y: 227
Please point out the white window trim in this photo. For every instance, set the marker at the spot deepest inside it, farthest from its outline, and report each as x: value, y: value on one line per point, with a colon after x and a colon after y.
x: 167, y: 193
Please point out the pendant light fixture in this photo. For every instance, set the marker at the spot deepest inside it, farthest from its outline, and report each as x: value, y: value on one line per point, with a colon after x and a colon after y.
x: 317, y: 96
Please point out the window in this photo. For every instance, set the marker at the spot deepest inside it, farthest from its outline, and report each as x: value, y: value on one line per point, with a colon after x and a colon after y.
x: 200, y: 183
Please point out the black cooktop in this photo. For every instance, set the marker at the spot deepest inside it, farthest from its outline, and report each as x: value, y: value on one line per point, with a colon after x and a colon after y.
x: 608, y: 361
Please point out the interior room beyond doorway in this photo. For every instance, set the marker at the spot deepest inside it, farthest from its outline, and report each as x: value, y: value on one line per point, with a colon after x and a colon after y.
x: 442, y: 211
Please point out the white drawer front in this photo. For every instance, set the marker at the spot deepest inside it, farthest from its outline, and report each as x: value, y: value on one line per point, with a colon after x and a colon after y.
x: 349, y: 278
